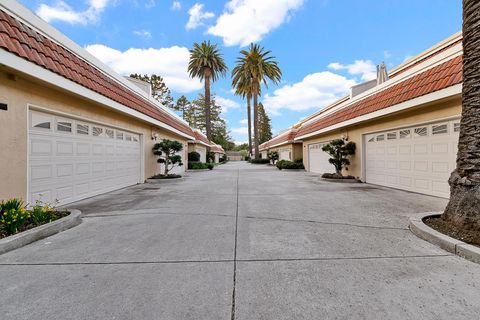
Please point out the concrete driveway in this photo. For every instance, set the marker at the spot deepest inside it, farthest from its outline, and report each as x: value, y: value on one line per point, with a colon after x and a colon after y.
x: 242, y: 242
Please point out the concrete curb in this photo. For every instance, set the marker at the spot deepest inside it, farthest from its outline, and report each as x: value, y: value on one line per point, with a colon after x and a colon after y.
x: 198, y: 170
x: 460, y: 248
x: 23, y: 238
x: 156, y: 181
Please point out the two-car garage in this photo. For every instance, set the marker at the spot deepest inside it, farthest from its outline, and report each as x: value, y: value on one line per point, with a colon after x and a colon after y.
x: 71, y: 159
x: 416, y: 158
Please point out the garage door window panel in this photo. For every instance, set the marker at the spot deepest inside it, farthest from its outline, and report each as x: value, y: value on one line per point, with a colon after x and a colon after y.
x: 97, y: 131
x: 83, y: 129
x: 440, y: 129
x: 41, y: 121
x: 64, y: 126
x: 109, y: 133
x: 420, y: 132
x: 405, y: 134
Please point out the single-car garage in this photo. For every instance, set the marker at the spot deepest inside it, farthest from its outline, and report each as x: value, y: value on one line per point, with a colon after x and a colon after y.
x: 71, y: 159
x: 318, y: 159
x: 418, y: 158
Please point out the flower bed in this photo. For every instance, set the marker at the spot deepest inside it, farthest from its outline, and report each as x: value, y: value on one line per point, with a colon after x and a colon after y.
x: 15, y: 217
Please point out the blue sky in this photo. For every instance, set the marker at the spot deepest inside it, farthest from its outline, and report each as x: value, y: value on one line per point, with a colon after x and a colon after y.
x: 323, y: 46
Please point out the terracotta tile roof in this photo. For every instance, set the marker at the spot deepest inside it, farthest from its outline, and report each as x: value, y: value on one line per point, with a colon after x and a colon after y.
x: 217, y: 149
x: 283, y: 138
x: 30, y: 45
x: 439, y: 77
x: 200, y: 137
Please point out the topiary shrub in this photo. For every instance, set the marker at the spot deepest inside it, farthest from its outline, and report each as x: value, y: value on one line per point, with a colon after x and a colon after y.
x: 285, y: 164
x: 193, y: 156
x: 166, y: 152
x: 259, y: 161
x: 299, y: 160
x: 273, y: 156
x: 339, y: 152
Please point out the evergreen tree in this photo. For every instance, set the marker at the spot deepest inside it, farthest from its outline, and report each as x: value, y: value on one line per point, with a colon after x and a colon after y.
x: 182, y: 105
x: 160, y: 91
x: 264, y: 125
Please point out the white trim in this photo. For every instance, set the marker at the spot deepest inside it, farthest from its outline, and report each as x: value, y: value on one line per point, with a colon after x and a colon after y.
x: 438, y: 95
x: 33, y: 70
x: 420, y: 68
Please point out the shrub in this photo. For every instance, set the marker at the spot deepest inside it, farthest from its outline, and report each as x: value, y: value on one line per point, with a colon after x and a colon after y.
x: 166, y: 151
x: 194, y: 156
x: 299, y: 160
x: 223, y: 159
x: 200, y: 166
x: 339, y: 151
x: 285, y: 164
x: 210, y: 156
x: 273, y: 156
x: 13, y: 216
x: 259, y: 161
x: 247, y: 158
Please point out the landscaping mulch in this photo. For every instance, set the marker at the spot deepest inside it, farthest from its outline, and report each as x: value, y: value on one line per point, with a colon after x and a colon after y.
x: 162, y: 176
x: 30, y: 225
x: 469, y: 236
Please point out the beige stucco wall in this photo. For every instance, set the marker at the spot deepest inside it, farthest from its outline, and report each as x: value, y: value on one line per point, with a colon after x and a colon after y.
x: 428, y: 113
x: 20, y: 92
x: 294, y: 148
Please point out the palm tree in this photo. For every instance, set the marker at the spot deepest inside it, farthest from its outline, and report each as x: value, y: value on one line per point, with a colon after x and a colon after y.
x: 206, y: 62
x: 244, y: 88
x: 258, y: 66
x: 463, y: 210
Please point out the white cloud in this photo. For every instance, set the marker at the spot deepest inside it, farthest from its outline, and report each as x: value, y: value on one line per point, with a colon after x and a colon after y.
x: 315, y: 91
x: 61, y: 11
x: 243, y: 121
x: 176, y: 5
x: 365, y: 68
x: 197, y: 15
x: 241, y: 130
x: 387, y: 54
x: 226, y: 103
x: 246, y: 21
x: 145, y: 34
x: 170, y: 63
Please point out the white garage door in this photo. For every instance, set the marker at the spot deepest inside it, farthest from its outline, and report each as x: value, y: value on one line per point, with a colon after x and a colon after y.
x: 285, y: 154
x: 203, y: 154
x: 418, y: 159
x: 318, y: 159
x: 70, y: 159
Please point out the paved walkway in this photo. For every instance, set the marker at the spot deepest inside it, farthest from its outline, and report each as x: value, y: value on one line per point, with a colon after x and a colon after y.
x: 241, y: 242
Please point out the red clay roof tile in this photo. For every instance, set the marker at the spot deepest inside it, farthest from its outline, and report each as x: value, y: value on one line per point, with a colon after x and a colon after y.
x: 26, y: 43
x: 439, y: 77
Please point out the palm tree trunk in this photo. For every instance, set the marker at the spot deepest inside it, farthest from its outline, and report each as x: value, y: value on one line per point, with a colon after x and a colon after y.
x: 255, y: 122
x: 249, y: 120
x: 463, y: 210
x: 208, y: 125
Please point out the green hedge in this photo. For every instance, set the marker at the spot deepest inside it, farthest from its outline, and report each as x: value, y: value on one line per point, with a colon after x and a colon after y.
x: 285, y: 164
x: 259, y: 161
x: 200, y: 166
